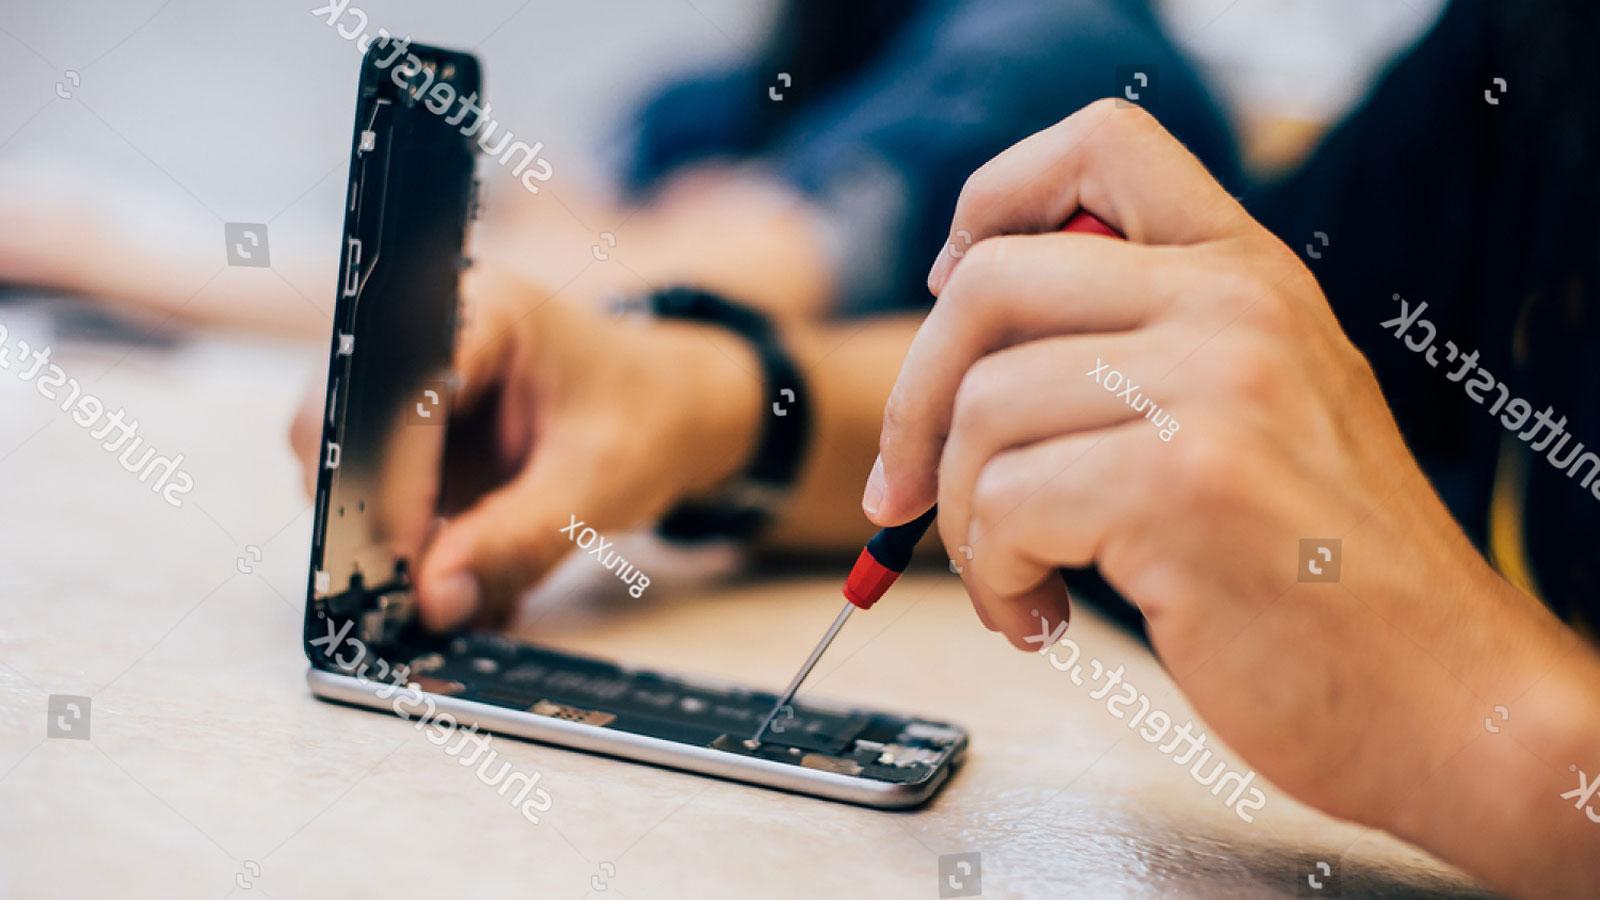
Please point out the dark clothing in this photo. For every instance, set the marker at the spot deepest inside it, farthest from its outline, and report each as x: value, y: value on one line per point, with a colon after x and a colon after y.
x: 956, y: 83
x: 1489, y: 213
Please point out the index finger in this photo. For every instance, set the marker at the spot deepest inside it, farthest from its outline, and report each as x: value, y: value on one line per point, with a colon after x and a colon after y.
x: 1110, y: 158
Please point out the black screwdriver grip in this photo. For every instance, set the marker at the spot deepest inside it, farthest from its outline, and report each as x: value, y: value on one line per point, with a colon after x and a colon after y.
x: 892, y: 547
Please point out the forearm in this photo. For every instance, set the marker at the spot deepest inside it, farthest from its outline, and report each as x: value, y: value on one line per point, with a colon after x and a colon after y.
x: 738, y: 233
x: 1496, y: 807
x: 741, y: 235
x: 63, y: 237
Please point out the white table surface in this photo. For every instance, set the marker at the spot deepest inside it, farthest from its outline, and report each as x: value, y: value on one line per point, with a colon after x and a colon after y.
x: 211, y: 771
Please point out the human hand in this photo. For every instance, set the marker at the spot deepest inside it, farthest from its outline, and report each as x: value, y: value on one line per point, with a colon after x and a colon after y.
x: 589, y: 418
x: 1346, y: 695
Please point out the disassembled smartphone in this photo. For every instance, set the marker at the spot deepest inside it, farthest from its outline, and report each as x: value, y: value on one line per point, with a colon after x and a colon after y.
x: 411, y: 195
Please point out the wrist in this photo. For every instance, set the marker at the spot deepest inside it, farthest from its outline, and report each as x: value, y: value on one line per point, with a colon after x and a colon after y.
x: 750, y: 458
x: 1493, y: 802
x: 719, y: 401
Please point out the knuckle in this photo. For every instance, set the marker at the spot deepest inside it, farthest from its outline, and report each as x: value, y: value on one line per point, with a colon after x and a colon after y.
x: 1237, y: 295
x: 1213, y: 287
x: 1104, y: 106
x: 977, y: 398
x: 997, y: 492
x: 1155, y: 465
x: 1271, y: 312
x: 985, y: 258
x: 981, y: 187
x: 1251, y: 372
x: 964, y: 303
x: 1238, y: 289
x: 1118, y: 121
x: 984, y: 265
x: 1359, y: 368
x: 1199, y: 466
x: 1133, y: 118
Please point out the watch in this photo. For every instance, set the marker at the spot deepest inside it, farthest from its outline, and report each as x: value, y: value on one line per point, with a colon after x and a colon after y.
x: 750, y: 501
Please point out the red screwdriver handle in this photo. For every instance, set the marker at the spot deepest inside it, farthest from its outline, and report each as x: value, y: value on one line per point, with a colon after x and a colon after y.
x: 1085, y: 222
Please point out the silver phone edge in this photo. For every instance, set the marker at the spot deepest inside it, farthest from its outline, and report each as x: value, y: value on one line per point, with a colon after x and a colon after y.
x: 642, y: 748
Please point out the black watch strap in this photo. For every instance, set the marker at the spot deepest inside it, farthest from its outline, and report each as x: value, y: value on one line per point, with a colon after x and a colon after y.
x: 750, y: 501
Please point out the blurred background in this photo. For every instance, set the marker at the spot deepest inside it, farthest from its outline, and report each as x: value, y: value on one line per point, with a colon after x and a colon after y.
x: 131, y: 132
x: 190, y: 113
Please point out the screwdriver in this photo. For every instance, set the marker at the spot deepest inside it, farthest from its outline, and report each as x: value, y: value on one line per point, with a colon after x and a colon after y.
x: 887, y: 554
x: 880, y: 563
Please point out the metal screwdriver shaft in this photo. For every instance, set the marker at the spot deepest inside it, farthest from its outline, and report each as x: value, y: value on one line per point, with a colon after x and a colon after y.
x: 805, y: 670
x: 880, y: 563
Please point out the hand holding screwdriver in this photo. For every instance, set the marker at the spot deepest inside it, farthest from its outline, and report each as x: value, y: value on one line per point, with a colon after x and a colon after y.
x: 887, y: 554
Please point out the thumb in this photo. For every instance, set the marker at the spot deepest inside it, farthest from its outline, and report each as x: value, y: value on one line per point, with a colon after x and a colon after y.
x: 482, y: 560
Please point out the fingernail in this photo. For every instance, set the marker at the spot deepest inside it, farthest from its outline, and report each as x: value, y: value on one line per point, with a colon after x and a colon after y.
x: 452, y: 601
x: 872, y: 497
x: 940, y: 270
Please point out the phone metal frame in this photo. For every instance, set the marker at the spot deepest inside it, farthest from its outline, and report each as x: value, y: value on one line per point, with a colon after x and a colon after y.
x: 354, y: 691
